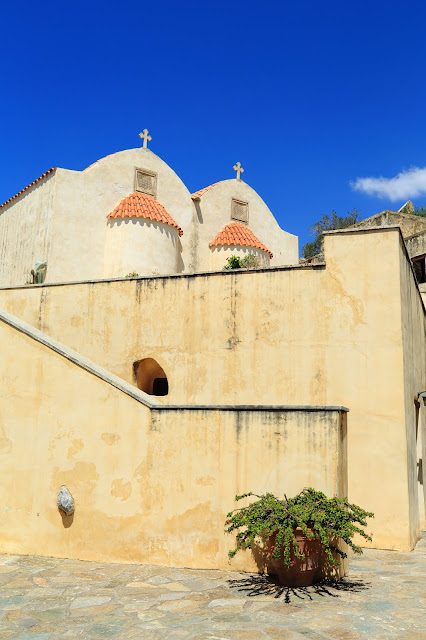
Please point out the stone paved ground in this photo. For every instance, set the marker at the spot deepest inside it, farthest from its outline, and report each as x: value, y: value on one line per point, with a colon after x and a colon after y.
x: 46, y: 599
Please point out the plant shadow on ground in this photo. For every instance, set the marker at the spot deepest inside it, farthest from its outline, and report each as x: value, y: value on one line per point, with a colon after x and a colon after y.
x: 264, y: 585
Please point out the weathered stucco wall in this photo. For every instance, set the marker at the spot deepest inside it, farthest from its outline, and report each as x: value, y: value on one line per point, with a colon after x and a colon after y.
x: 227, y: 451
x: 25, y: 232
x: 324, y: 335
x: 413, y: 335
x: 149, y: 485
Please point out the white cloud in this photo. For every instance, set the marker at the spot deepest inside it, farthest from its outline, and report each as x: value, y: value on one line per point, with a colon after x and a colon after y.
x: 406, y: 185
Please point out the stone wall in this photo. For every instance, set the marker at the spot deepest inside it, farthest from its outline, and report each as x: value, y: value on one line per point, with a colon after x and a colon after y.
x: 408, y: 223
x: 416, y: 244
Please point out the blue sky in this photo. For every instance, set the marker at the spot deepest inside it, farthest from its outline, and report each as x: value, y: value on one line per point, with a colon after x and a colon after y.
x: 309, y: 96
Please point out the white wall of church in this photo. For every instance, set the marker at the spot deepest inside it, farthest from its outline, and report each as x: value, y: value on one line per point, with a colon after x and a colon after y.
x: 63, y: 219
x: 85, y: 199
x: 220, y: 254
x: 214, y: 212
x: 141, y: 246
x: 25, y: 232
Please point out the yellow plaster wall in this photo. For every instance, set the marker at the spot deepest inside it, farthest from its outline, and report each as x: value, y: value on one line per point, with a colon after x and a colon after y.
x: 316, y: 335
x: 228, y: 453
x: 149, y: 486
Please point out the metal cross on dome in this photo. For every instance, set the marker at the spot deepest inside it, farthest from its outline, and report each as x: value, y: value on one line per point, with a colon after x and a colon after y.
x: 238, y: 168
x: 145, y: 137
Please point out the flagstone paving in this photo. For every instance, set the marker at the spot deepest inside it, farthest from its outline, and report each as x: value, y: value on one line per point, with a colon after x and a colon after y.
x: 46, y: 599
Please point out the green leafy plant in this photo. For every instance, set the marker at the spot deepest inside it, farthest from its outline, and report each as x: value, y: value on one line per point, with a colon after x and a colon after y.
x: 132, y: 274
x: 233, y: 262
x: 419, y: 211
x: 327, y: 223
x: 319, y: 517
x: 250, y: 261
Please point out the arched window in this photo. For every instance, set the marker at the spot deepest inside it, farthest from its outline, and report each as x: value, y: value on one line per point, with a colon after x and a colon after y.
x: 150, y: 377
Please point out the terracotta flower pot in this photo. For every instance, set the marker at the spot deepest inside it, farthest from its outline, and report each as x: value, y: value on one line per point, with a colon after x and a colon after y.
x: 302, y: 572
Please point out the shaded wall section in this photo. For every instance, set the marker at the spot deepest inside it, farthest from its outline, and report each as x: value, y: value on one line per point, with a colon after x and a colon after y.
x: 413, y: 335
x: 25, y: 232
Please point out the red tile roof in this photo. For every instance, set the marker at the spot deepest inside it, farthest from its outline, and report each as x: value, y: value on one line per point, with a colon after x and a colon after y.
x: 238, y: 234
x: 139, y: 205
x: 201, y: 192
x: 28, y: 187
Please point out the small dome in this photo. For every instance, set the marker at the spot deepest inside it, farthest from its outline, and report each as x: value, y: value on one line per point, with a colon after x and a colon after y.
x: 238, y: 234
x: 139, y: 205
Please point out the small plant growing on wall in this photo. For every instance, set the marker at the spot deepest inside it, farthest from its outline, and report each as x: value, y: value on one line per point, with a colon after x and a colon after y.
x: 132, y: 274
x: 311, y: 512
x: 233, y: 262
x: 250, y: 261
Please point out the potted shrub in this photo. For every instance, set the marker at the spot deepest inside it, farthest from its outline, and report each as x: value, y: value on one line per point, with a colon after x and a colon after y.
x: 296, y: 531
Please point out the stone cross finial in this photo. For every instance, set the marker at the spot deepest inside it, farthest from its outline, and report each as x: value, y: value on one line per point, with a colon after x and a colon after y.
x: 145, y: 137
x: 238, y: 168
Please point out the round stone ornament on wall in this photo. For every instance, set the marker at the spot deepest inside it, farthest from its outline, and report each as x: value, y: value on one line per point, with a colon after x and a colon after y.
x: 65, y: 501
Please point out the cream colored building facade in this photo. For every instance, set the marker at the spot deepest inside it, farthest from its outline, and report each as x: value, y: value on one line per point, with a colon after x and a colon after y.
x: 62, y: 219
x: 156, y: 399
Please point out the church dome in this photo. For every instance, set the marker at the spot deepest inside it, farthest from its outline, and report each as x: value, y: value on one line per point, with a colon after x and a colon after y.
x: 141, y: 238
x: 237, y: 234
x: 140, y: 205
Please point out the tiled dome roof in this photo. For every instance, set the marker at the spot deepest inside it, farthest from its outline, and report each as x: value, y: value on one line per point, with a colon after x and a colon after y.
x: 139, y: 205
x: 238, y: 234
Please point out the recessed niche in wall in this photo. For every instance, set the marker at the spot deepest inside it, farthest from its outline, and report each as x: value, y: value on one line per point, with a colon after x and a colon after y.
x: 146, y: 182
x: 150, y: 377
x: 239, y: 210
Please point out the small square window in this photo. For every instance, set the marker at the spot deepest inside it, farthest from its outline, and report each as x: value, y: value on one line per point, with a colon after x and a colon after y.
x: 239, y: 211
x: 146, y: 182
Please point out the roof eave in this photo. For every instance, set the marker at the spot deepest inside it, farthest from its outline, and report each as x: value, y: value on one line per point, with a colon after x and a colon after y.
x: 50, y: 171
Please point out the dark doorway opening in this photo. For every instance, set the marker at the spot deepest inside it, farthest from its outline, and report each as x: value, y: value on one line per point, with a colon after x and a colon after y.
x: 150, y: 377
x: 160, y: 387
